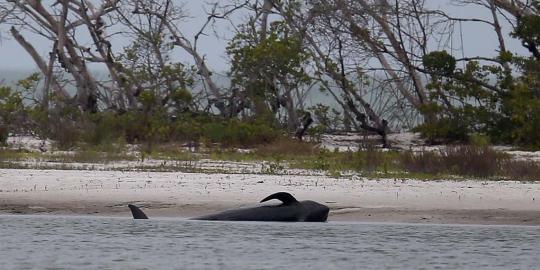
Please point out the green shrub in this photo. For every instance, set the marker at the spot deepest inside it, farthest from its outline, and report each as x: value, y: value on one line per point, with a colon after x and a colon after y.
x: 12, y: 112
x: 445, y: 130
x: 481, y: 140
x: 439, y: 63
x: 100, y: 128
x: 238, y: 133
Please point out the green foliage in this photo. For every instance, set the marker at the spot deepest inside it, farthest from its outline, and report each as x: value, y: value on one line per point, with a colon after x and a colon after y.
x: 146, y: 65
x: 274, y: 167
x: 487, y: 98
x: 101, y: 128
x: 10, y: 104
x: 322, y: 161
x: 440, y: 63
x: 506, y: 113
x: 152, y: 127
x: 161, y: 113
x: 450, y: 128
x: 147, y: 99
x: 479, y: 140
x: 237, y: 133
x: 279, y: 55
x: 267, y: 67
x: 528, y: 29
x: 11, y: 111
x: 327, y: 119
x: 522, y: 116
x: 30, y: 82
x: 64, y: 124
x: 367, y: 161
x: 316, y: 132
x: 181, y: 97
x: 522, y: 103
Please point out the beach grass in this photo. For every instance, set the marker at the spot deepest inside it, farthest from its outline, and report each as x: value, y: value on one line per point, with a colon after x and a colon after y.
x: 282, y: 156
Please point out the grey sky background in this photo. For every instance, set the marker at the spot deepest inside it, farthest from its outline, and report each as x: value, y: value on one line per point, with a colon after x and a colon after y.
x: 477, y: 39
x: 13, y: 56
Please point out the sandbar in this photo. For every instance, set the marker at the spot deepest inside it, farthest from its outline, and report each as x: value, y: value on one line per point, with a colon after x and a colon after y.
x: 355, y: 198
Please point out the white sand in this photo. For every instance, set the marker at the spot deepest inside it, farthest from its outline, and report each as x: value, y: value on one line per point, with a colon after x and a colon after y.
x: 103, y: 190
x: 186, y: 194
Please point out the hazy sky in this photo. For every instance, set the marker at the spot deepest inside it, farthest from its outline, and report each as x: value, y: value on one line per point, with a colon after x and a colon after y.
x: 12, y: 56
x: 478, y: 40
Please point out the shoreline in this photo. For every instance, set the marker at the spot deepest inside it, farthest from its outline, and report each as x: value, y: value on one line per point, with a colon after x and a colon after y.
x: 184, y: 195
x: 364, y: 215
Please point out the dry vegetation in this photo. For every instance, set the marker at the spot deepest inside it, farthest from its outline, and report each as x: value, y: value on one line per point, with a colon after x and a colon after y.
x: 465, y: 160
x: 456, y: 162
x: 479, y: 162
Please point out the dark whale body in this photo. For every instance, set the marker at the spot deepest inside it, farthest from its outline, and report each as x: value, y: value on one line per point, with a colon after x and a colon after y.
x: 136, y: 212
x: 290, y: 210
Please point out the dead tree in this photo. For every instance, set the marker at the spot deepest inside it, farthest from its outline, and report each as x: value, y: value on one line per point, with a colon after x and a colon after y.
x: 58, y: 23
x: 169, y: 15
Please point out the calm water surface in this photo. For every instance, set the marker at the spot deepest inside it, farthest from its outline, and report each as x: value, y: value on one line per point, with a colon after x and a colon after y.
x: 56, y: 242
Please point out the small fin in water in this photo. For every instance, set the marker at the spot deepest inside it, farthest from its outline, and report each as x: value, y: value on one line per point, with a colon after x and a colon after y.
x: 285, y: 197
x: 137, y: 212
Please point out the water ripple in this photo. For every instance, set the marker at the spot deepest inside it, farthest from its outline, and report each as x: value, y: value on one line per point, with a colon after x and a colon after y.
x: 49, y: 242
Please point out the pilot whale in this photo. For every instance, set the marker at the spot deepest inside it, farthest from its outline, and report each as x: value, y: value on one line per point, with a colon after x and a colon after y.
x: 290, y: 210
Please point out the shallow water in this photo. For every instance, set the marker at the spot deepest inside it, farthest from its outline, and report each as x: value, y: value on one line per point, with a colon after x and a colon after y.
x: 58, y: 242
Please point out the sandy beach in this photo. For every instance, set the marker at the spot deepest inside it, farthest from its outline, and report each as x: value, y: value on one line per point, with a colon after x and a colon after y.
x: 174, y: 194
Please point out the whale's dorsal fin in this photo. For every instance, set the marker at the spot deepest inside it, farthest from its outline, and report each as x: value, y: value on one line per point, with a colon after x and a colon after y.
x: 285, y: 197
x: 137, y: 212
